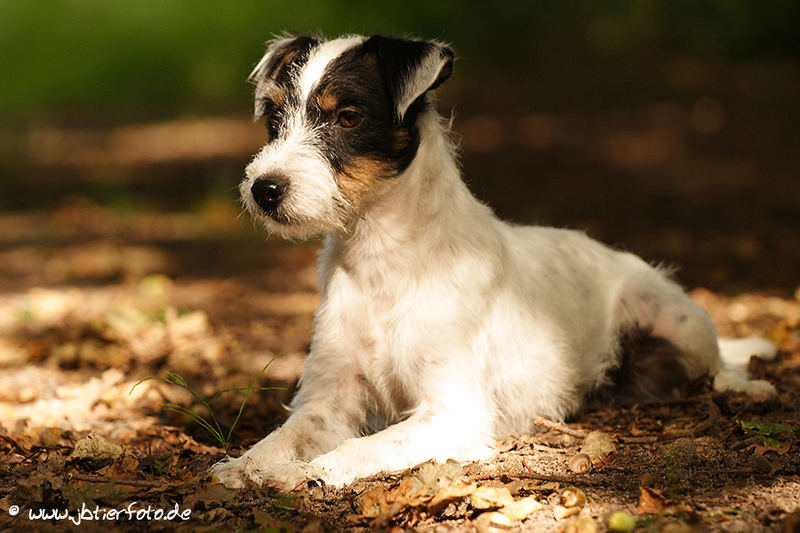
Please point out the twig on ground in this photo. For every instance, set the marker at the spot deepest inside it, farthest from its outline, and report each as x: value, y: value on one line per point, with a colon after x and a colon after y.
x: 572, y: 480
x: 735, y: 472
x: 647, y: 439
x: 700, y: 428
x: 14, y: 444
x: 727, y: 500
x: 526, y: 465
x: 703, y: 426
x: 116, y: 480
x: 544, y: 422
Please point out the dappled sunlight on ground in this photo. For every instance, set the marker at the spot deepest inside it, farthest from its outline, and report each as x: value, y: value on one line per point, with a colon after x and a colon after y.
x: 93, y: 301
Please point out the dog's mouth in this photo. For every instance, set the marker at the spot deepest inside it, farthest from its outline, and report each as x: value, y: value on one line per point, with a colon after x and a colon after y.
x: 281, y: 219
x: 274, y: 217
x: 278, y: 221
x: 285, y: 208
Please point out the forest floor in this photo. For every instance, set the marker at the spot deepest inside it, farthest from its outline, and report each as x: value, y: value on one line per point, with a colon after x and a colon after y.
x: 120, y: 262
x: 92, y: 301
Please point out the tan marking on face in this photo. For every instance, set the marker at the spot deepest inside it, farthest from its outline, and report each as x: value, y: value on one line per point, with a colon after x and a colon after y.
x: 401, y: 139
x: 327, y: 100
x: 272, y: 91
x: 363, y: 178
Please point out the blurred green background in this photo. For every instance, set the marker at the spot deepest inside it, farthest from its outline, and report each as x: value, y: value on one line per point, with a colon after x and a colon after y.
x: 667, y: 127
x: 104, y: 61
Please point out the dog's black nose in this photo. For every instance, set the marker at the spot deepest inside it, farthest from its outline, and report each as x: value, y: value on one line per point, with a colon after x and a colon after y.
x: 268, y: 192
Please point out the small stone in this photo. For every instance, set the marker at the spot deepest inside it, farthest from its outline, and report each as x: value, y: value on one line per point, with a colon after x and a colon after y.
x: 55, y: 463
x: 560, y: 512
x: 582, y: 524
x: 580, y: 463
x: 27, y: 394
x: 572, y: 497
x: 621, y: 522
x: 676, y: 527
x: 682, y: 452
x: 759, y: 464
x: 51, y: 437
x: 649, y: 479
x: 493, y: 522
x: 678, y: 475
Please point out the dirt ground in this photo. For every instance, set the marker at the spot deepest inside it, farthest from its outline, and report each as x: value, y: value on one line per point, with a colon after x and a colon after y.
x: 92, y: 301
x: 119, y: 261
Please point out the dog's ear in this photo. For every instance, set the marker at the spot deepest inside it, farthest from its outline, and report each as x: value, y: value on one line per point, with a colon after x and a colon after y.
x: 410, y: 68
x: 282, y: 53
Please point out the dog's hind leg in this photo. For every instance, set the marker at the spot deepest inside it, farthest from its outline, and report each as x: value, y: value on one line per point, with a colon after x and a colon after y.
x: 735, y: 355
x: 677, y: 341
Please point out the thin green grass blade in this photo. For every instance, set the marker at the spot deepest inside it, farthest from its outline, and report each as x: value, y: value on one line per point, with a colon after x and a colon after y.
x: 254, y: 385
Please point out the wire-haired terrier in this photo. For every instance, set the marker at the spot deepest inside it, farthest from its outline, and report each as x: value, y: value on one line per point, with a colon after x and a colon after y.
x: 440, y: 327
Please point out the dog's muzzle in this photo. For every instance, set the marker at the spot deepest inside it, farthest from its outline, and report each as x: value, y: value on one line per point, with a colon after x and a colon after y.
x: 268, y: 193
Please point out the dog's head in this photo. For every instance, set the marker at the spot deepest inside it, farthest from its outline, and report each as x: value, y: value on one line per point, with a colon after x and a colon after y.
x: 341, y: 120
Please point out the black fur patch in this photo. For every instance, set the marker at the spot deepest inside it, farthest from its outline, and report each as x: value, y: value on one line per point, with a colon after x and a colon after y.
x: 370, y: 78
x: 355, y: 80
x: 650, y: 370
x: 398, y: 58
x: 286, y: 56
x: 276, y: 74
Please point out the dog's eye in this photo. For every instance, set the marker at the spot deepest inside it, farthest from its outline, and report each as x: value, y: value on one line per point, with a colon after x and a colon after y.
x: 348, y: 118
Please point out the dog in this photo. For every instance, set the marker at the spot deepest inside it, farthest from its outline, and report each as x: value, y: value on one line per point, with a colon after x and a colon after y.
x: 440, y: 327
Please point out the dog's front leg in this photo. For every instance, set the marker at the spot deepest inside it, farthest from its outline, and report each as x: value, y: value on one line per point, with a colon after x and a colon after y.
x: 280, y: 460
x: 461, y: 432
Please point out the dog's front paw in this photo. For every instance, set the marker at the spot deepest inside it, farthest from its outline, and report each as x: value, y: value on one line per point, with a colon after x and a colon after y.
x: 332, y: 471
x: 344, y: 465
x: 237, y: 473
x: 230, y: 473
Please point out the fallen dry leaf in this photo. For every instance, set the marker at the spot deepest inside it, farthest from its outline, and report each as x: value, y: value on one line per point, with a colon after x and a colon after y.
x: 96, y: 447
x: 760, y: 449
x: 522, y: 508
x: 431, y: 473
x: 560, y: 512
x: 492, y: 522
x: 500, y: 498
x: 786, y: 335
x: 382, y: 503
x: 582, y: 524
x: 599, y: 446
x: 123, y: 468
x: 491, y: 497
x: 448, y: 494
x: 211, y: 493
x: 650, y: 501
x: 91, y: 494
